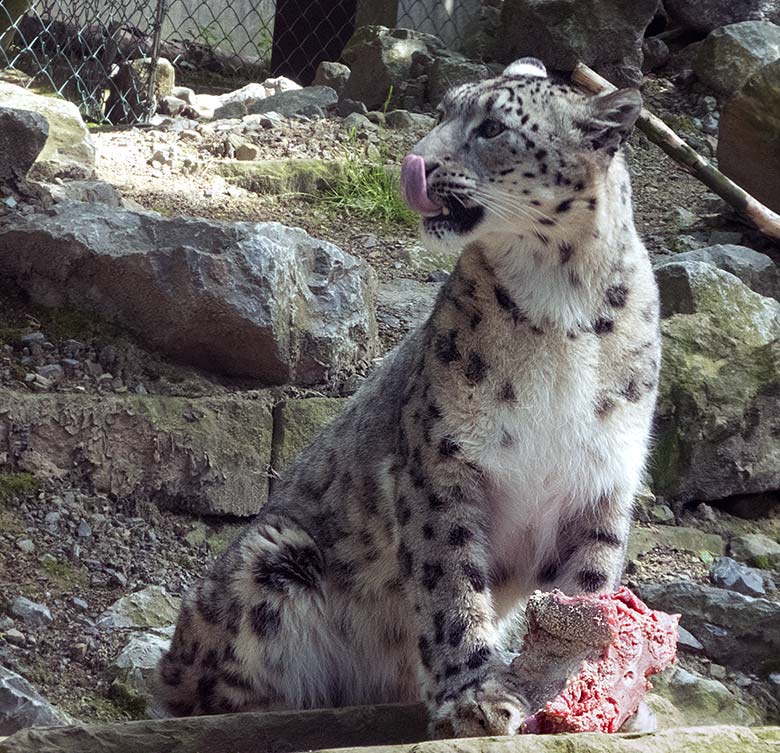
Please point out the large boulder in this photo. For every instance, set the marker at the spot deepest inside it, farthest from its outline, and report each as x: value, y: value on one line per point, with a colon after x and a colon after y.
x: 257, y: 300
x: 205, y: 455
x: 23, y: 135
x: 736, y: 630
x: 756, y: 270
x: 311, y: 101
x: 151, y: 607
x: 730, y: 55
x: 69, y: 151
x: 749, y: 136
x: 719, y: 403
x: 706, y: 15
x: 133, y: 672
x: 21, y: 706
x: 605, y: 34
x: 382, y: 62
x: 334, y: 75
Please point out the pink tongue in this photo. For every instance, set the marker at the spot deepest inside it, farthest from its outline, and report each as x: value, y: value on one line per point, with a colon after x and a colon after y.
x: 414, y: 187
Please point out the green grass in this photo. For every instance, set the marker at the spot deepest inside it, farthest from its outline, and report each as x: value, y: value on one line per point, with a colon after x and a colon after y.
x: 16, y: 485
x: 370, y: 190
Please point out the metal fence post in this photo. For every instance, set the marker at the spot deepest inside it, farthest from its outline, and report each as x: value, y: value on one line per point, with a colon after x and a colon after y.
x: 159, y: 17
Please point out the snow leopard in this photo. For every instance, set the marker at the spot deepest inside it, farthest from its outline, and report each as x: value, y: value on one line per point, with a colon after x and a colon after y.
x: 496, y: 451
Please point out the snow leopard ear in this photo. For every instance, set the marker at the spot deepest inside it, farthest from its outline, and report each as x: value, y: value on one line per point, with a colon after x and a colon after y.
x: 610, y: 119
x: 526, y: 67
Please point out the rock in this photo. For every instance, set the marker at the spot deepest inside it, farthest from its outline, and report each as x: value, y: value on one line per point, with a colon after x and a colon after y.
x: 206, y: 455
x: 731, y: 54
x: 133, y: 671
x: 736, y: 630
x: 152, y: 607
x: 381, y: 61
x: 21, y: 706
x: 69, y: 151
x: 661, y: 514
x: 727, y: 573
x: 406, y: 119
x: 707, y: 15
x: 398, y: 728
x: 15, y: 637
x: 404, y: 304
x: 749, y: 136
x: 717, y: 671
x: 756, y: 270
x: 719, y: 380
x: 655, y: 54
x: 247, y: 152
x: 257, y: 300
x: 82, y: 190
x: 701, y: 701
x: 450, y: 70
x: 84, y: 530
x: 306, y: 176
x: 682, y: 538
x: 358, y: 122
x: 688, y: 642
x: 348, y: 106
x: 296, y: 423
x: 164, y: 75
x: 30, y: 612
x: 296, y: 102
x: 25, y: 546
x: 756, y: 549
x: 334, y: 75
x: 605, y: 34
x: 23, y: 136
x: 231, y: 110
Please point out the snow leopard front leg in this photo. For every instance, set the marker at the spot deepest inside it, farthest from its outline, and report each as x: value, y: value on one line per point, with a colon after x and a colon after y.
x: 443, y: 556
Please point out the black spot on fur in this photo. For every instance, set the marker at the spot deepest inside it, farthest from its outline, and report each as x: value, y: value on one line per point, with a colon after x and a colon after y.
x: 405, y: 560
x: 506, y: 302
x: 290, y: 566
x: 475, y: 576
x: 507, y: 392
x: 171, y: 673
x: 604, y: 406
x: 235, y: 679
x: 617, y: 296
x: 592, y: 204
x: 210, y: 659
x: 478, y: 658
x: 435, y: 502
x: 205, y: 692
x: 431, y: 574
x: 450, y: 670
x: 446, y: 348
x: 428, y: 532
x: 425, y: 652
x: 564, y: 206
x: 546, y: 221
x: 476, y: 369
x: 603, y: 326
x: 457, y: 631
x: 632, y: 392
x: 403, y: 511
x: 592, y: 580
x: 459, y: 535
x: 448, y: 447
x: 606, y: 537
x: 438, y: 627
x: 265, y: 620
x: 549, y: 572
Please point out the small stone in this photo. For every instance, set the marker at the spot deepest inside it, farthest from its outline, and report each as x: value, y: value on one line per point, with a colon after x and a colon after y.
x: 25, y: 546
x: 52, y: 371
x: 349, y: 106
x: 84, y: 529
x: 30, y: 612
x: 247, y: 152
x: 358, y: 122
x: 79, y: 603
x: 15, y: 637
x: 688, y: 642
x: 717, y: 671
x: 32, y: 337
x: 116, y: 578
x: 727, y: 573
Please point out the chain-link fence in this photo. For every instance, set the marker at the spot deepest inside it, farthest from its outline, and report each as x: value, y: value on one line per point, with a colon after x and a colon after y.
x: 102, y: 54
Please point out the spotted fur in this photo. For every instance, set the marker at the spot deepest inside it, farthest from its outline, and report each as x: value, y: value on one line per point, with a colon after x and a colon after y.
x: 496, y: 451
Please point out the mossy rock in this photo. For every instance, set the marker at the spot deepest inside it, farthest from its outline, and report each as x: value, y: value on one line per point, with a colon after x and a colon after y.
x: 720, y: 379
x: 642, y: 540
x: 287, y: 176
x: 297, y: 422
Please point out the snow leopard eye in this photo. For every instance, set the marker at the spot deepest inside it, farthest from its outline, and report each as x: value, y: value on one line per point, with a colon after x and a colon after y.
x: 490, y: 128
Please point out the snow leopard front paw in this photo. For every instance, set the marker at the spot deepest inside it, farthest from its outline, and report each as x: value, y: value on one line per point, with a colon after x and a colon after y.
x: 492, y: 708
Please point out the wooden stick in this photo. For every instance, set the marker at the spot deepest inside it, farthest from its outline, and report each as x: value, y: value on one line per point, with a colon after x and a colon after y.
x: 767, y: 221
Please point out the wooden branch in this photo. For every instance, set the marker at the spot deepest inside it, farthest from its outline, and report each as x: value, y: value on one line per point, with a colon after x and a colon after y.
x: 767, y: 221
